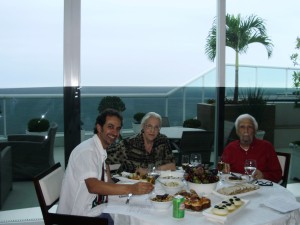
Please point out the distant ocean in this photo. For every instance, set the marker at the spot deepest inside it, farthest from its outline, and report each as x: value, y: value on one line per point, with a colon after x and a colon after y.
x: 177, y: 103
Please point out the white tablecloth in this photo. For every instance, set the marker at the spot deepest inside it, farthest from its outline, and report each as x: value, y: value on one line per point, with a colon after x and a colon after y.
x: 141, y: 212
x: 176, y: 132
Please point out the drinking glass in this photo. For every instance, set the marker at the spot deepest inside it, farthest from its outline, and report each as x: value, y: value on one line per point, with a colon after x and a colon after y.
x: 220, y: 167
x: 185, y: 160
x: 250, y: 167
x: 153, y: 174
x: 195, y: 159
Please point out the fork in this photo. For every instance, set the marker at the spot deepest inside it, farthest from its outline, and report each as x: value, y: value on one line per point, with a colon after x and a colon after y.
x: 128, y: 198
x: 161, y: 182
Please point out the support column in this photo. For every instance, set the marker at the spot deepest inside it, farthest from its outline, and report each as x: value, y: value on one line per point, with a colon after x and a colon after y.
x: 72, y: 17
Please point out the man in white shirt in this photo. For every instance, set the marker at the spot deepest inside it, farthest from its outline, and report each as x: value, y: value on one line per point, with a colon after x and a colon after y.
x: 85, y: 185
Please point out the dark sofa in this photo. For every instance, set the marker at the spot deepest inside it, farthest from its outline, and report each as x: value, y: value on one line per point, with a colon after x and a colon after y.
x: 31, y: 154
x: 5, y: 174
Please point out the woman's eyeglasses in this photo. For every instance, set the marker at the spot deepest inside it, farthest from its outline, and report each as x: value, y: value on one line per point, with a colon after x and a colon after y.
x: 150, y: 127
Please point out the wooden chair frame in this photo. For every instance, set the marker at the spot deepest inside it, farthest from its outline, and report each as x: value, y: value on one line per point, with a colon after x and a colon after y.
x: 55, y: 174
x: 285, y: 166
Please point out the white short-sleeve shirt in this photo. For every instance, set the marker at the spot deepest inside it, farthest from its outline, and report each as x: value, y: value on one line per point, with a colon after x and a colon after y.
x: 85, y: 161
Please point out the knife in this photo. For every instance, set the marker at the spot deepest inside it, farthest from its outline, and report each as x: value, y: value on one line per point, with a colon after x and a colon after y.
x: 234, y: 175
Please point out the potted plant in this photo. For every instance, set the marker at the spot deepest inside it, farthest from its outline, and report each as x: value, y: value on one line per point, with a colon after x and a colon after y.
x: 192, y: 123
x: 38, y: 126
x: 113, y: 102
x: 136, y: 125
x: 253, y: 102
x: 296, y: 75
x: 240, y: 33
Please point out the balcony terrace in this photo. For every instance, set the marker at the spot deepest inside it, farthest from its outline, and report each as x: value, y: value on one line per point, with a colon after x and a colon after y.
x: 178, y: 104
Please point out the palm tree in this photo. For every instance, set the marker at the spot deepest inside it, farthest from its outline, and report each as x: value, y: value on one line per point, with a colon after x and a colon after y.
x: 239, y: 34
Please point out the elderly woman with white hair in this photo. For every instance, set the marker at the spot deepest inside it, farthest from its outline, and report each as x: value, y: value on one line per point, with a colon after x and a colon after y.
x: 148, y: 148
x: 249, y: 147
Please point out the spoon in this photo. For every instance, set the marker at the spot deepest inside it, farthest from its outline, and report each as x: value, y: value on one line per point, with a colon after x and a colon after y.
x: 128, y: 198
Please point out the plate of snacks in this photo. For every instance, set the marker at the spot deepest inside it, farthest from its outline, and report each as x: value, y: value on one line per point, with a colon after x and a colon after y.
x: 226, y: 208
x: 161, y: 202
x: 238, y: 190
x: 193, y: 202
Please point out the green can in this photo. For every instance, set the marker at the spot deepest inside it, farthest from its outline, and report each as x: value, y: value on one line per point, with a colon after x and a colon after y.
x: 178, y: 206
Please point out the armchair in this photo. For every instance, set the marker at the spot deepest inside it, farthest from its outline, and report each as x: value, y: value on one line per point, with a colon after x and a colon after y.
x: 31, y: 154
x: 196, y: 142
x: 5, y: 174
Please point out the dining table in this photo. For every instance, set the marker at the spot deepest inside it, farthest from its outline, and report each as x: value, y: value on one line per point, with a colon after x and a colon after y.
x: 175, y: 133
x: 257, y: 211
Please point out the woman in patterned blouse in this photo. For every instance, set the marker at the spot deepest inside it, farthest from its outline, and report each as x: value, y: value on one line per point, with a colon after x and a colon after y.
x: 147, y: 149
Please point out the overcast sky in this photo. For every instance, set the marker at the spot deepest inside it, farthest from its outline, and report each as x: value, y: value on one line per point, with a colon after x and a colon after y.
x: 132, y: 42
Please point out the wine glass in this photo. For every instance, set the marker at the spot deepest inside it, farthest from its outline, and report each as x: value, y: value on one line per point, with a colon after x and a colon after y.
x: 250, y: 167
x: 195, y: 159
x: 185, y: 160
x: 152, y: 174
x: 220, y: 167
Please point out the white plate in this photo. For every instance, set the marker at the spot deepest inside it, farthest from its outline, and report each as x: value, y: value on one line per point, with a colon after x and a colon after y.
x: 126, y: 179
x: 209, y: 214
x: 238, y: 195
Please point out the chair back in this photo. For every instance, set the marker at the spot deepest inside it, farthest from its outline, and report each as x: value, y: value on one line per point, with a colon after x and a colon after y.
x: 228, y: 129
x: 284, y: 160
x: 47, y: 186
x: 165, y: 121
x: 51, y: 140
x: 197, y: 142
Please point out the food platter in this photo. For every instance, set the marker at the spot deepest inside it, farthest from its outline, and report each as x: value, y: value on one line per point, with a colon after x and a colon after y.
x: 238, y: 190
x: 210, y: 215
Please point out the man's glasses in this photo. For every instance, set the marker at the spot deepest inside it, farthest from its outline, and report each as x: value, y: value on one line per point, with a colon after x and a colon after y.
x: 150, y: 127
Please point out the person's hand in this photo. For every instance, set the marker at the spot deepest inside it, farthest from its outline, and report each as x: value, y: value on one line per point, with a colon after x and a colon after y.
x: 142, y: 188
x: 258, y: 174
x: 226, y: 168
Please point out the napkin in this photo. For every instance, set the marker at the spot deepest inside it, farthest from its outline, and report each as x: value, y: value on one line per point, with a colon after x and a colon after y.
x: 281, y: 204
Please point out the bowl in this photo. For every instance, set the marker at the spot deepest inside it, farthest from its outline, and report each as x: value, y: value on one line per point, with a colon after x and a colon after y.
x: 171, y: 186
x: 166, y: 175
x: 160, y: 204
x: 202, y: 189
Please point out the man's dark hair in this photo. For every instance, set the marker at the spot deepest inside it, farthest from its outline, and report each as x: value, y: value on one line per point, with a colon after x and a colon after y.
x: 101, y: 119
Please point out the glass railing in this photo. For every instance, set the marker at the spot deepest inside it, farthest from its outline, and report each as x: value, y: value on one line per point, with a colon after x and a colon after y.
x: 18, y: 106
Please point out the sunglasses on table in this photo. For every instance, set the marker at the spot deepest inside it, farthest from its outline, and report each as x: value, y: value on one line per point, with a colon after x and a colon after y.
x: 264, y: 183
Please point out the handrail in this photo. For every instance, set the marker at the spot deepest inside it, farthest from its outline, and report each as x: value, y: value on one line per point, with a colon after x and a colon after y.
x: 206, y: 79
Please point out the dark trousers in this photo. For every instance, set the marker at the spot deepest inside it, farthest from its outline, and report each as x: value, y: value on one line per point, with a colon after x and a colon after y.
x: 106, y: 215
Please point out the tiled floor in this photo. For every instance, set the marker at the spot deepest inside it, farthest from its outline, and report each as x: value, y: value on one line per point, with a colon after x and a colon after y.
x: 23, y: 194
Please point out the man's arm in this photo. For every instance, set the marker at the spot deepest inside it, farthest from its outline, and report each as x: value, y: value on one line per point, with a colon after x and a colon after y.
x: 96, y: 186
